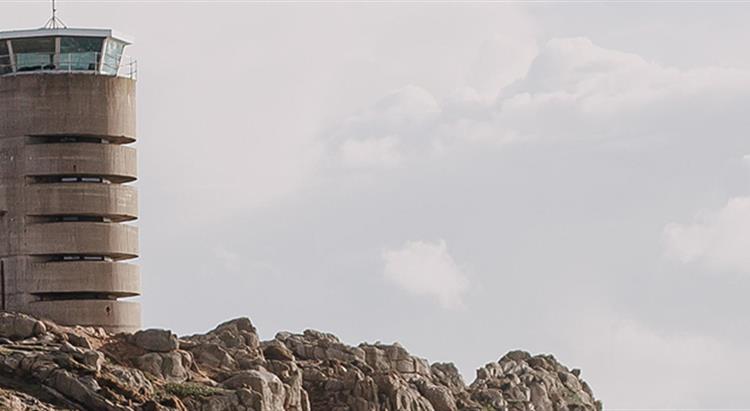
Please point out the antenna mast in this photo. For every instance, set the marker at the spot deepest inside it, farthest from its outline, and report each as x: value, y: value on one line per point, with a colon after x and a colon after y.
x: 54, y: 22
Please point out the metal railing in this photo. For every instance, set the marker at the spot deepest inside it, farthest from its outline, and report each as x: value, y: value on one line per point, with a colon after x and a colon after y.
x: 77, y: 62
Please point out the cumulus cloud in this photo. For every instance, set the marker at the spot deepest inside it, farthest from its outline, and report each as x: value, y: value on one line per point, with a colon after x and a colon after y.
x: 426, y: 268
x: 382, y: 134
x: 501, y: 60
x: 717, y: 239
x: 573, y: 90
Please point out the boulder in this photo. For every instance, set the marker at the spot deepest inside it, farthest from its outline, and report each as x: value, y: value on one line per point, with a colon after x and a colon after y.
x: 268, y: 385
x: 171, y: 366
x: 440, y: 397
x: 291, y: 375
x: 18, y: 401
x: 276, y: 350
x: 156, y: 340
x: 20, y: 326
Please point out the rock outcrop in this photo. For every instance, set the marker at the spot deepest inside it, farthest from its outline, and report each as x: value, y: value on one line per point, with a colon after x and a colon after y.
x: 44, y: 366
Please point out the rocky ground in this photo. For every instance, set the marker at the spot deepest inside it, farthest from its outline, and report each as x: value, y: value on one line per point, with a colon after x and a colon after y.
x: 44, y: 366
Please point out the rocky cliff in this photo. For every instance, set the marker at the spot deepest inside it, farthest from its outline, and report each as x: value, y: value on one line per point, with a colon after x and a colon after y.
x: 44, y: 366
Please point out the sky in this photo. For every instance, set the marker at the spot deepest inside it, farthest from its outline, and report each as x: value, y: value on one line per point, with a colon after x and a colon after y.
x: 464, y: 178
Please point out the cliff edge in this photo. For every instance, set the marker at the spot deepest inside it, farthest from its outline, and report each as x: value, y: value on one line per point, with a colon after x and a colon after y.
x: 44, y: 366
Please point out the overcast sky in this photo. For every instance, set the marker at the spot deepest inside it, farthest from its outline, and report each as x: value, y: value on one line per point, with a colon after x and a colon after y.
x: 465, y: 179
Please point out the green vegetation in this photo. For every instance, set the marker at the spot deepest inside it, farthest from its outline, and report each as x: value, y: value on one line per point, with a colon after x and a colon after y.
x: 188, y: 389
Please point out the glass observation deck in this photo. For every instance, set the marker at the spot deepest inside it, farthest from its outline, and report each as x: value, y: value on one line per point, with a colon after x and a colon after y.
x: 64, y: 50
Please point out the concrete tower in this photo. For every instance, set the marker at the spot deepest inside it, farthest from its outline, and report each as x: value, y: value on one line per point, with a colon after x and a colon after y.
x: 67, y: 115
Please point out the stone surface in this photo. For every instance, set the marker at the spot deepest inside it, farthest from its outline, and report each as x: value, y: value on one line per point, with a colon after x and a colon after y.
x: 230, y: 369
x: 170, y: 366
x: 156, y: 340
x: 16, y: 326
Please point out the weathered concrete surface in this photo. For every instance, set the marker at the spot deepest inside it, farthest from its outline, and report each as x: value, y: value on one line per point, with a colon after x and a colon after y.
x: 119, y: 279
x: 113, y: 315
x: 117, y: 241
x: 62, y: 199
x: 117, y: 202
x: 116, y: 163
x: 60, y: 104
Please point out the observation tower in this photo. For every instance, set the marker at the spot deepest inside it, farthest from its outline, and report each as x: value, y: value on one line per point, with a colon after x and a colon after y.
x: 67, y: 118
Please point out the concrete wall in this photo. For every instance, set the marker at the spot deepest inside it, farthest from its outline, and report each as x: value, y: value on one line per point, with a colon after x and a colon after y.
x: 85, y: 104
x: 117, y: 241
x: 117, y: 202
x: 38, y: 245
x: 117, y: 163
x: 115, y: 316
x: 120, y: 279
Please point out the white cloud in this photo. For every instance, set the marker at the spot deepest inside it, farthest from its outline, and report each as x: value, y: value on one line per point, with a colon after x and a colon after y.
x: 718, y: 239
x: 501, y: 60
x: 425, y: 268
x: 573, y: 90
x: 583, y: 91
x: 381, y: 135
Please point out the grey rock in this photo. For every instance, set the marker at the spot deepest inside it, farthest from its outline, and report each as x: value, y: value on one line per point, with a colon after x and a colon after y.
x: 440, y: 397
x: 78, y: 340
x: 276, y: 350
x: 20, y: 326
x: 269, y: 386
x: 170, y: 366
x: 156, y: 340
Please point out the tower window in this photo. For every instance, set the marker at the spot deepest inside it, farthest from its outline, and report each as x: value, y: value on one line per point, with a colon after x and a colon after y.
x: 112, y: 56
x: 5, y: 66
x: 80, y: 53
x: 36, y: 53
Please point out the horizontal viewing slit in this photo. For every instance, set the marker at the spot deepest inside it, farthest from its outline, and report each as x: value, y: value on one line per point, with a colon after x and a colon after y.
x: 70, y: 179
x: 66, y: 139
x: 44, y: 218
x: 58, y: 296
x: 79, y: 257
x: 86, y: 218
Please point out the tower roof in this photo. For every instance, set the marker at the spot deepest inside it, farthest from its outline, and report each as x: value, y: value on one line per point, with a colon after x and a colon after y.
x: 65, y: 32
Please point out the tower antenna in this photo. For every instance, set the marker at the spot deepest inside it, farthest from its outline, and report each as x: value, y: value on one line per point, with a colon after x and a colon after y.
x: 54, y: 22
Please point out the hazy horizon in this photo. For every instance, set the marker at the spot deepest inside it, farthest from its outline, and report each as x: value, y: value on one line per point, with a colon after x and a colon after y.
x: 466, y: 179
